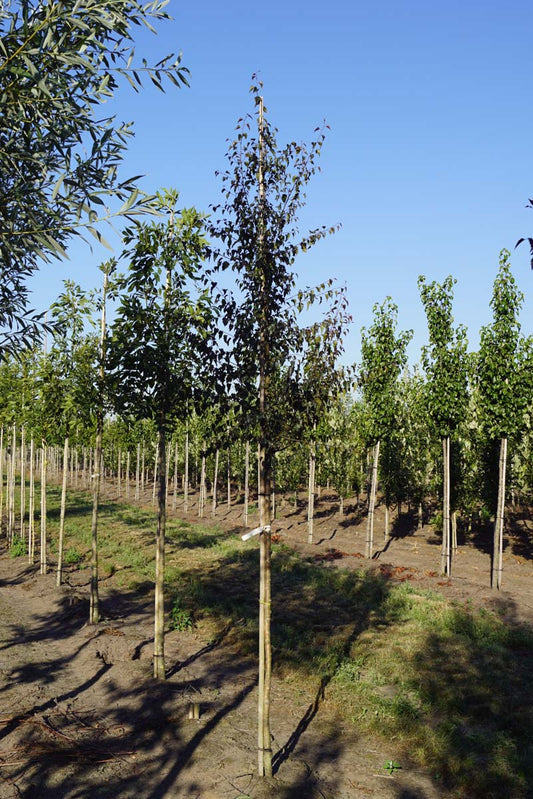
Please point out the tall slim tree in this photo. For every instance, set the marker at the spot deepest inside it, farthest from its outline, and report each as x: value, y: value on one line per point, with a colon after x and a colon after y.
x: 446, y: 365
x: 504, y: 385
x: 162, y: 342
x: 256, y: 227
x: 384, y: 353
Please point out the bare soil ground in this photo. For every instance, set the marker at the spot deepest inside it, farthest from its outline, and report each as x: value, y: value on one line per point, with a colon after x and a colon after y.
x: 81, y: 716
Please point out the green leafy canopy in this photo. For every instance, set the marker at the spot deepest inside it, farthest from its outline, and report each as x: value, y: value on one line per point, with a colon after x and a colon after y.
x: 60, y: 60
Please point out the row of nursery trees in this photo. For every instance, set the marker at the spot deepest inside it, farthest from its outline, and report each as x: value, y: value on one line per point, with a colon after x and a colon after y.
x: 192, y: 379
x: 441, y: 432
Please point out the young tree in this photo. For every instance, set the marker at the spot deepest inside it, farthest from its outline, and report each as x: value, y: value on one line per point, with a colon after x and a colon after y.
x: 107, y: 270
x: 384, y: 353
x: 445, y: 364
x: 504, y: 386
x: 256, y: 226
x: 60, y: 155
x: 162, y: 342
x: 73, y: 359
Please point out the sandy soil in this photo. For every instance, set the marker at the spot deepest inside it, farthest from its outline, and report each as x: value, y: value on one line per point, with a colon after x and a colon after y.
x: 81, y: 716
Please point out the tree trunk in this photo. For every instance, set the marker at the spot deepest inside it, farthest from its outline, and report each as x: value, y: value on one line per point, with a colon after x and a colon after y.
x: 22, y: 483
x: 454, y: 532
x: 273, y: 490
x: 372, y: 502
x: 43, y: 562
x: 387, y: 523
x: 2, y: 460
x: 311, y: 491
x: 445, y: 561
x: 246, y: 482
x: 59, y: 573
x: 167, y: 468
x: 265, y: 650
x: 11, y: 488
x: 31, y: 507
x: 94, y: 609
x: 215, y: 481
x: 497, y: 555
x: 175, y: 479
x: 202, y: 492
x: 159, y: 615
x: 127, y: 481
x: 186, y: 472
x: 264, y: 739
x: 229, y: 478
x: 157, y: 468
x: 138, y: 473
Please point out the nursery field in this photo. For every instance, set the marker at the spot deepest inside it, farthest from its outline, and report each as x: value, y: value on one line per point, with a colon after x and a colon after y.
x: 389, y: 681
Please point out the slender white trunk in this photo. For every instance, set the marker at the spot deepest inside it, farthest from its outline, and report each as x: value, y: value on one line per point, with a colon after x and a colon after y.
x: 246, y: 482
x: 228, y: 471
x: 22, y: 483
x: 59, y: 573
x: 497, y: 556
x: 445, y: 565
x: 202, y: 496
x: 128, y: 466
x: 43, y: 561
x: 159, y: 610
x: 138, y: 473
x: 156, y: 475
x: 311, y: 492
x: 31, y: 508
x: 372, y: 502
x: 2, y: 459
x: 215, y: 481
x: 186, y: 473
x: 175, y: 483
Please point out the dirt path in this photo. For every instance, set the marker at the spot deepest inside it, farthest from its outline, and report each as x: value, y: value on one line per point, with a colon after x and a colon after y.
x: 81, y: 716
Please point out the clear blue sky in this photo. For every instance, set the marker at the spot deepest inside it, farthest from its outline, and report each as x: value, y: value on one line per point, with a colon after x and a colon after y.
x: 429, y: 161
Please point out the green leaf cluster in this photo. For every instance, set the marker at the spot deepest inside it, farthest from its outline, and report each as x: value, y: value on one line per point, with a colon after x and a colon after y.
x: 503, y: 364
x: 60, y: 60
x: 445, y: 360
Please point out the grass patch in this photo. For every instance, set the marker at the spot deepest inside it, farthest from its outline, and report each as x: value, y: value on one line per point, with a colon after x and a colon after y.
x: 451, y: 687
x: 18, y: 547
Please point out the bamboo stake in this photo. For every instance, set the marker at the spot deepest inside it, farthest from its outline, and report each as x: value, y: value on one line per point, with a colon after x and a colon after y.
x: 22, y: 482
x: 2, y: 454
x: 264, y: 740
x: 202, y: 497
x: 175, y: 479
x: 215, y: 481
x: 137, y: 472
x: 246, y: 481
x: 128, y: 466
x: 186, y: 469
x: 59, y: 574
x: 157, y: 468
x: 31, y: 508
x: 497, y: 557
x: 311, y: 490
x: 43, y: 562
x: 372, y: 502
x: 159, y: 610
x: 229, y: 477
